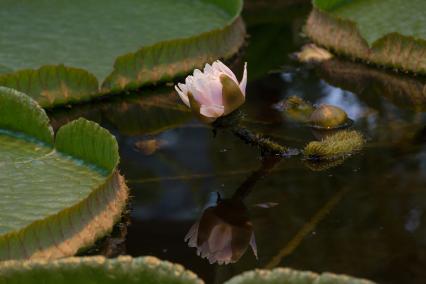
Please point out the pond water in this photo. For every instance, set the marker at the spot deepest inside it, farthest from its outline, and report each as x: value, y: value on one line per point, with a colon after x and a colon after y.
x: 365, y: 217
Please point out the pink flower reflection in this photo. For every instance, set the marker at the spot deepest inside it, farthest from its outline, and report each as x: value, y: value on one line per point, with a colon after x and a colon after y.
x: 223, y: 233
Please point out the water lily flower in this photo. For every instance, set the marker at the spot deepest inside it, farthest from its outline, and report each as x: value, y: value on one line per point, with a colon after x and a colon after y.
x: 213, y: 93
x: 223, y: 233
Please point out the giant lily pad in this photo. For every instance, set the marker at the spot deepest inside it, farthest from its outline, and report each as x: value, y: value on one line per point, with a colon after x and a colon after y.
x: 147, y: 270
x: 58, y: 195
x: 60, y: 50
x: 285, y: 275
x: 385, y: 32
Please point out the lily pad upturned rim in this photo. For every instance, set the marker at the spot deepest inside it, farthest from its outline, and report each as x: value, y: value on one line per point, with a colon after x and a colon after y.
x: 124, y: 269
x: 341, y: 35
x: 288, y: 275
x: 77, y: 227
x: 54, y: 85
x: 148, y: 269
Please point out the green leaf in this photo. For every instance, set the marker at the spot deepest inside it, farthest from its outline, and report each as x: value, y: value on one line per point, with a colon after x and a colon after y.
x: 21, y: 114
x: 378, y: 18
x: 87, y: 140
x: 53, y: 85
x: 152, y: 42
x: 4, y: 69
x: 163, y: 61
x: 124, y: 269
x: 59, y: 199
x: 290, y: 276
x: 384, y: 32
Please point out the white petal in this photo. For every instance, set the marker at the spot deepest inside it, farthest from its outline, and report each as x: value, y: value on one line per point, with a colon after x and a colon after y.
x: 215, y: 89
x: 197, y: 73
x: 192, y: 236
x: 208, y: 70
x: 202, y: 91
x: 212, y: 111
x: 243, y: 83
x: 253, y: 245
x: 189, y: 82
x: 182, y: 94
x: 218, y: 65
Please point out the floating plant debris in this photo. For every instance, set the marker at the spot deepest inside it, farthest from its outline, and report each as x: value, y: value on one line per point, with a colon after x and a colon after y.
x: 312, y: 53
x: 329, y: 117
x: 298, y: 109
x: 322, y: 117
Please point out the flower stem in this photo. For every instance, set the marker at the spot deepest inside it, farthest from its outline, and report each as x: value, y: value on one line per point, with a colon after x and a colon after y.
x: 266, y: 145
x: 268, y: 163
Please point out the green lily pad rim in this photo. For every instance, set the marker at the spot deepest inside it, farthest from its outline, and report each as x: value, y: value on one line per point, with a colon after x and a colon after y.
x: 81, y: 85
x: 288, y: 275
x: 154, y: 270
x: 341, y: 35
x: 125, y: 269
x: 77, y: 227
x: 23, y: 118
x: 327, y: 6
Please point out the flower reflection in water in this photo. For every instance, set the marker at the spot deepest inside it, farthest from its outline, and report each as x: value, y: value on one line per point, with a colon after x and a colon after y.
x: 223, y: 233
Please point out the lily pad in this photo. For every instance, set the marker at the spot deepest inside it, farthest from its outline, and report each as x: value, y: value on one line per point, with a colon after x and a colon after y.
x: 289, y: 276
x: 147, y: 270
x: 373, y: 31
x: 125, y: 46
x: 58, y: 195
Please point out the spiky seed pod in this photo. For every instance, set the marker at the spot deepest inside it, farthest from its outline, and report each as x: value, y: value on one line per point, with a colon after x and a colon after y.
x: 336, y: 146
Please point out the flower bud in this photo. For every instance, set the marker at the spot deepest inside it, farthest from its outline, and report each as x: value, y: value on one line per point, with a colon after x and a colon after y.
x: 213, y: 93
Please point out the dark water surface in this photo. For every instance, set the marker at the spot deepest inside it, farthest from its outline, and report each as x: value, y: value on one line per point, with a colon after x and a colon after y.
x: 365, y: 217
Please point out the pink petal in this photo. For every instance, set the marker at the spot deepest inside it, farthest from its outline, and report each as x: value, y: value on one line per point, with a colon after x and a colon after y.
x: 243, y: 83
x: 182, y: 93
x: 192, y: 236
x: 253, y: 245
x: 212, y: 111
x: 223, y: 68
x: 215, y: 87
x: 208, y: 70
x: 201, y: 89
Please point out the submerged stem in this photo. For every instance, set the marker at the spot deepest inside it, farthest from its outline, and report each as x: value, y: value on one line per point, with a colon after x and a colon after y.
x: 245, y: 188
x: 266, y: 145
